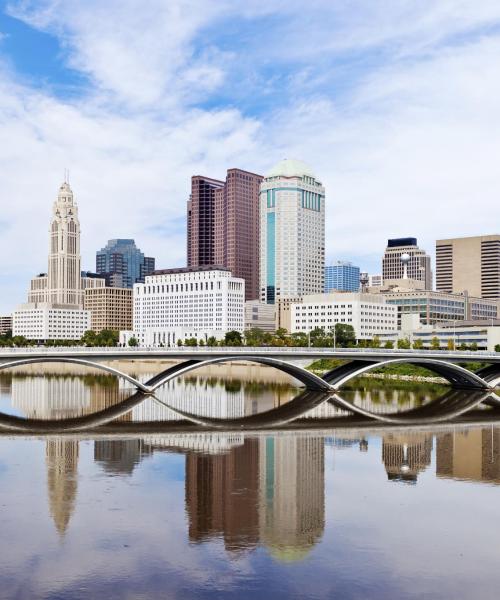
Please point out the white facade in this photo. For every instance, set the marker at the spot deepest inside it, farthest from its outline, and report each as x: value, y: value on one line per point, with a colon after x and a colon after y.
x: 260, y: 315
x: 46, y: 321
x: 177, y: 304
x: 292, y: 232
x: 369, y: 314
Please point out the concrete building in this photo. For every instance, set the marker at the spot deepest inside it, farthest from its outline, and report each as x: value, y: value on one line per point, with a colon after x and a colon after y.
x: 110, y: 307
x: 292, y: 232
x: 485, y: 336
x: 122, y: 263
x: 369, y: 314
x: 283, y: 311
x: 342, y: 277
x: 396, y: 267
x: 436, y: 307
x: 5, y: 324
x: 469, y: 264
x: 45, y: 321
x: 176, y: 304
x: 368, y: 281
x: 223, y: 225
x: 261, y: 315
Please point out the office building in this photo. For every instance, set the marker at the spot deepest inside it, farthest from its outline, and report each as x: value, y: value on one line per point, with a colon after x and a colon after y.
x: 436, y: 307
x: 223, y: 225
x: 369, y: 314
x: 122, y: 263
x: 176, y: 304
x: 403, y: 260
x: 469, y: 264
x: 292, y: 232
x: 260, y: 315
x: 5, y: 324
x: 45, y: 321
x: 341, y: 277
x: 484, y: 336
x: 110, y: 308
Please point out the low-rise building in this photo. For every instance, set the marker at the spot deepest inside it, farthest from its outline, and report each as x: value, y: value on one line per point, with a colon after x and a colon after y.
x: 5, y: 324
x: 283, y: 311
x: 369, y: 314
x: 110, y: 308
x: 45, y: 321
x: 261, y: 315
x: 483, y: 337
x: 193, y: 302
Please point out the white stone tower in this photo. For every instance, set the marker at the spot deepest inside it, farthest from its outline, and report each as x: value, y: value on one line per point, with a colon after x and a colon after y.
x: 64, y: 275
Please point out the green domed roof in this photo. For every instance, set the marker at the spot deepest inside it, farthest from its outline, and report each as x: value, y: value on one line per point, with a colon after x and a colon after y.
x: 290, y: 167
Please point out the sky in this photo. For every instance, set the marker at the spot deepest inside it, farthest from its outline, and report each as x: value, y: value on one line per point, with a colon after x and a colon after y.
x: 395, y: 105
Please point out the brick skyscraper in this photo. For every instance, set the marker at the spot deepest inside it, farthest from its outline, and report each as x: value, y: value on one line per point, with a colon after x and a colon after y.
x: 223, y: 225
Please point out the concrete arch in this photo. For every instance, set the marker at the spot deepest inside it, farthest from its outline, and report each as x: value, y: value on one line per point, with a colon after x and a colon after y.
x: 491, y: 374
x: 77, y: 361
x: 455, y: 374
x: 310, y: 380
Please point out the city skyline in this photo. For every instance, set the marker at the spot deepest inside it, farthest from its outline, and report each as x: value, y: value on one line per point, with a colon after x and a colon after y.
x: 373, y: 92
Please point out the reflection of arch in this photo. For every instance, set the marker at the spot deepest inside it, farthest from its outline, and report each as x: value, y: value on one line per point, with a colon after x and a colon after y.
x: 455, y: 374
x: 310, y: 380
x: 77, y: 361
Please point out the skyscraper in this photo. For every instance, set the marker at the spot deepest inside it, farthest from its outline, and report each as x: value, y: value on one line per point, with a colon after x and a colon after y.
x: 469, y: 264
x: 223, y: 225
x: 341, y: 276
x: 417, y: 267
x: 292, y: 232
x: 123, y: 264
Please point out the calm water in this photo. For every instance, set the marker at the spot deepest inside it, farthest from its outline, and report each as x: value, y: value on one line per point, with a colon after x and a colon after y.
x: 401, y: 513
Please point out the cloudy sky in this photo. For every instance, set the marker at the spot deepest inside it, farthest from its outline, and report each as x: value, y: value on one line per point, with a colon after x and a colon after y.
x: 394, y: 104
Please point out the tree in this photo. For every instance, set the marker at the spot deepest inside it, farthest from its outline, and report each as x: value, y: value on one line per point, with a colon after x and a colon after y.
x: 463, y: 346
x: 132, y: 342
x: 233, y: 338
x: 404, y: 344
x: 375, y: 342
x: 435, y: 343
x: 345, y: 336
x: 254, y: 337
x: 497, y: 348
x: 201, y: 342
x: 179, y: 342
x: 418, y: 344
x: 450, y: 344
x: 299, y: 339
x: 191, y: 342
x: 473, y: 346
x: 20, y: 341
x: 389, y: 345
x: 212, y: 341
x: 89, y: 338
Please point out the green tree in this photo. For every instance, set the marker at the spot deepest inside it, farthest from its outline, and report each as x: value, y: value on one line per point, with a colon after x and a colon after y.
x: 473, y: 346
x: 418, y: 344
x: 375, y: 342
x: 212, y: 341
x: 435, y: 343
x: 404, y: 344
x: 254, y: 337
x: 299, y: 339
x: 497, y: 348
x: 108, y: 337
x: 20, y: 341
x: 345, y: 336
x: 463, y: 346
x: 132, y: 342
x: 389, y: 345
x: 233, y: 338
x: 450, y: 344
x: 191, y: 342
x: 89, y: 338
x: 201, y: 342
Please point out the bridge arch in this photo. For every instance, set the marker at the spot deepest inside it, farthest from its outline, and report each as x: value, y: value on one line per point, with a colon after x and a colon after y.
x: 458, y: 376
x: 77, y: 361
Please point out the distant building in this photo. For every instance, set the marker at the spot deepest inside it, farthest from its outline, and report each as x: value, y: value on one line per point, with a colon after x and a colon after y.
x: 369, y: 314
x: 485, y: 336
x: 123, y: 264
x: 110, y: 307
x: 292, y: 232
x: 176, y: 304
x: 367, y: 280
x: 341, y: 276
x: 5, y: 324
x: 261, y: 315
x: 417, y: 267
x: 45, y: 321
x: 469, y: 264
x: 223, y: 225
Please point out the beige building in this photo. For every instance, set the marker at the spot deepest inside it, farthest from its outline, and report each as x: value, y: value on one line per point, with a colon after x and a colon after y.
x: 283, y: 311
x: 402, y: 260
x: 469, y: 264
x: 110, y: 308
x: 260, y: 315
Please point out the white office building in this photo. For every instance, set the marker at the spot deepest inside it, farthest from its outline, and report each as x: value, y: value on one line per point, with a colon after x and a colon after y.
x: 369, y: 314
x: 292, y: 232
x: 46, y: 321
x: 178, y: 304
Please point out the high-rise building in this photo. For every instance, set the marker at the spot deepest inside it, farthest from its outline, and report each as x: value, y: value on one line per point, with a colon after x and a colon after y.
x: 223, y: 225
x: 469, y: 264
x: 342, y: 277
x: 403, y: 259
x: 292, y: 232
x: 123, y: 264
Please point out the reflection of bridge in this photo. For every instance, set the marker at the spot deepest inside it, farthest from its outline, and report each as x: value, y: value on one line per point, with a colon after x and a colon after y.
x: 352, y: 364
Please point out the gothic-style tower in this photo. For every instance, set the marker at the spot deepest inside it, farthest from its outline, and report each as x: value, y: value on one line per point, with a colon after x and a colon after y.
x: 64, y: 276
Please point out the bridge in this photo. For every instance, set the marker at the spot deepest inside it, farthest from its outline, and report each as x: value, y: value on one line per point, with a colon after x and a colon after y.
x: 478, y: 386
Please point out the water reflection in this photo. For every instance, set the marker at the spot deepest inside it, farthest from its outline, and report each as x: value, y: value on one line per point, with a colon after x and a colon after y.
x: 62, y: 478
x: 405, y: 455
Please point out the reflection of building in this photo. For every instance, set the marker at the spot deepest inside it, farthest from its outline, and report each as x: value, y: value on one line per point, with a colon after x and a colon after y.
x: 473, y: 455
x: 406, y: 455
x: 62, y: 466
x: 222, y: 496
x: 119, y: 456
x: 292, y: 489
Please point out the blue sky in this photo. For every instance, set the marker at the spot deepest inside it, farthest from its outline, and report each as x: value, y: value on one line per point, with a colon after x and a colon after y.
x: 394, y: 104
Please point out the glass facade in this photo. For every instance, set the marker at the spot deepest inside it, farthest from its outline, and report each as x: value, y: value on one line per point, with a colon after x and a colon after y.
x: 342, y: 276
x: 123, y: 264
